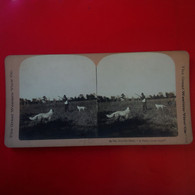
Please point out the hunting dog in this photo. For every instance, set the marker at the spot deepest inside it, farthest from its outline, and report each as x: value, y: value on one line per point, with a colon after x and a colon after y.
x: 119, y: 114
x: 81, y: 108
x: 159, y: 106
x: 42, y: 116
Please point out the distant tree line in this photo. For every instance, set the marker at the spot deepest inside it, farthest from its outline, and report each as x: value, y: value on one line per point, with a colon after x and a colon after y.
x: 44, y: 99
x: 122, y: 97
x: 81, y: 97
x: 160, y: 95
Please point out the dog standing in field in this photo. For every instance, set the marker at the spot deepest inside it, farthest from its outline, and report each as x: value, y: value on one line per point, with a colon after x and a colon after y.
x: 81, y: 108
x: 160, y: 106
x: 42, y: 116
x: 119, y: 114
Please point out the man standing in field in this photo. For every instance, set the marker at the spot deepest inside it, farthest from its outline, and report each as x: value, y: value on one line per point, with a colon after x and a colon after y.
x: 143, y: 98
x: 66, y: 103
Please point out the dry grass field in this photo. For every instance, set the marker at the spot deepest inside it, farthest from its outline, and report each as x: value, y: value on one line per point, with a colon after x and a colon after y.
x: 93, y: 122
x: 63, y: 124
x: 151, y: 123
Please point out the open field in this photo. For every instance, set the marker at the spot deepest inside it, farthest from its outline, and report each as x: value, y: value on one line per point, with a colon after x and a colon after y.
x: 63, y: 124
x: 151, y: 123
x: 93, y: 122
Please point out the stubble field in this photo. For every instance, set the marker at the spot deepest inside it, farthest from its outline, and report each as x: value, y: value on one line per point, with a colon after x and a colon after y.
x: 151, y: 123
x: 64, y: 123
x: 93, y: 122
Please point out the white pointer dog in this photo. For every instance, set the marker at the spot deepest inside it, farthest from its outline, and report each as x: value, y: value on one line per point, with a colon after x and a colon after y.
x: 42, y: 116
x: 119, y: 114
x: 159, y: 106
x: 81, y: 108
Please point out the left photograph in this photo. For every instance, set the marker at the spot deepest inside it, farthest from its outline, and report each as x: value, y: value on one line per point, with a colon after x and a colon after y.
x: 57, y: 98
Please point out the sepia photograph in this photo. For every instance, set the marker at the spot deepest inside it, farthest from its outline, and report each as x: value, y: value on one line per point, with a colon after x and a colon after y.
x: 98, y: 99
x: 57, y: 97
x: 137, y: 96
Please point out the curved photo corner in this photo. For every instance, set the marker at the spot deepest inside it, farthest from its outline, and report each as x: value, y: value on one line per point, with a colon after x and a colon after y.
x: 57, y: 97
x: 137, y: 95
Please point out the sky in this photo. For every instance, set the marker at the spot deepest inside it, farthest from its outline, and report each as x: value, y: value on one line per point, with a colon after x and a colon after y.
x: 134, y: 73
x: 71, y: 75
x: 57, y: 75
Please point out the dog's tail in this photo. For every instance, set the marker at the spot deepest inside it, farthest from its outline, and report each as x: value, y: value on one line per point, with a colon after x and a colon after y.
x: 32, y: 118
x: 109, y: 115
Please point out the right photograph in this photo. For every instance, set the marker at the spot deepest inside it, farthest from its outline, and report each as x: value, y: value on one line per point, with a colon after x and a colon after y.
x: 136, y: 95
